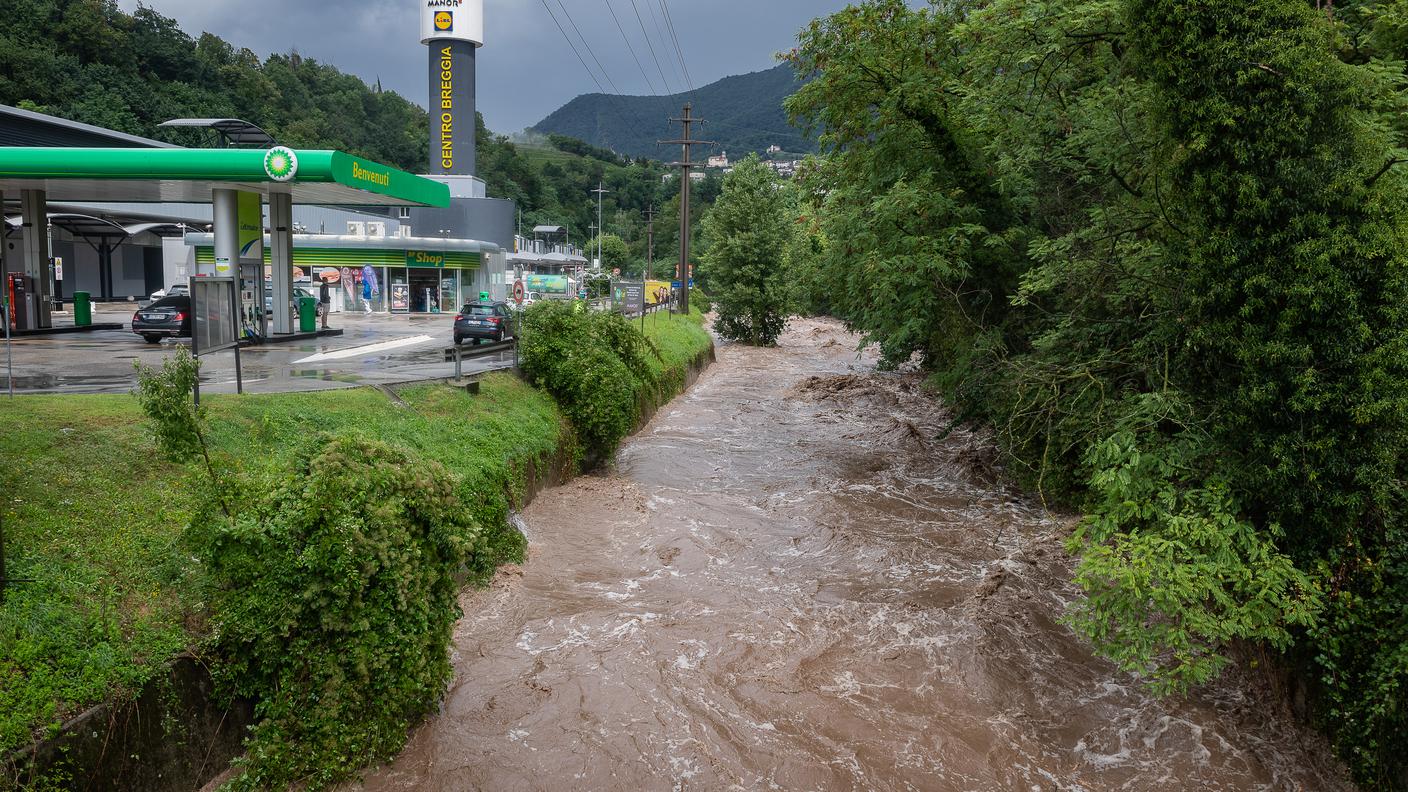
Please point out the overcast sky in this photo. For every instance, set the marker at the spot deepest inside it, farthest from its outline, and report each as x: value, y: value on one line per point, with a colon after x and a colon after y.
x: 526, y: 69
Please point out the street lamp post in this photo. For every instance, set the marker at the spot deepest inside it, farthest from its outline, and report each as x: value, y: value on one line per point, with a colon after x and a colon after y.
x: 600, y: 262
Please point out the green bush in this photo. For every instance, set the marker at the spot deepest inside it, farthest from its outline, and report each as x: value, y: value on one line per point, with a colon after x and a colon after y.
x: 165, y: 395
x: 596, y: 365
x: 335, y: 596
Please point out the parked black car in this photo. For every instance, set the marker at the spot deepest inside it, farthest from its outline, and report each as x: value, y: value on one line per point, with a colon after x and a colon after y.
x: 482, y: 321
x: 169, y: 317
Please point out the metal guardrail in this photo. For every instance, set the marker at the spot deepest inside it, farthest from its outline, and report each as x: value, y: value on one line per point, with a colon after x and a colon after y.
x: 457, y: 354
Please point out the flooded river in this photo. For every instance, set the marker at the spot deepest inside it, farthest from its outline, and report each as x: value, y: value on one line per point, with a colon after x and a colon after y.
x: 789, y: 582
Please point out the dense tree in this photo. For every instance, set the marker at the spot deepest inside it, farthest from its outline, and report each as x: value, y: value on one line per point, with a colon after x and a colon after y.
x: 1160, y: 247
x: 614, y: 251
x: 750, y: 233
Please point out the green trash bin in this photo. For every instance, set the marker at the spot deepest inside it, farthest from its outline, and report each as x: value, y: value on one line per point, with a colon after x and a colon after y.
x: 307, y: 315
x: 82, y: 309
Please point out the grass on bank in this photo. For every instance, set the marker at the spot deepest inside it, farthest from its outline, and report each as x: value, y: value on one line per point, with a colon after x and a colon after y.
x: 95, y: 515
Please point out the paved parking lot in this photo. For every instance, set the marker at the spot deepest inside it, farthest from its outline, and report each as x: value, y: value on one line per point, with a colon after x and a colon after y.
x: 374, y: 349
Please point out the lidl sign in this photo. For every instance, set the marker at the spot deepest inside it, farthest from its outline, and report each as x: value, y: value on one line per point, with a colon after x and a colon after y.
x: 452, y: 20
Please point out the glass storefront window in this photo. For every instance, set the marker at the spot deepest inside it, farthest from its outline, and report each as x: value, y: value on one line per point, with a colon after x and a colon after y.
x: 449, y: 289
x: 399, y: 291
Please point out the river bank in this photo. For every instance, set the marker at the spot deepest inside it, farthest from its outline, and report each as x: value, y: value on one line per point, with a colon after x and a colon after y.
x: 95, y: 516
x: 789, y: 581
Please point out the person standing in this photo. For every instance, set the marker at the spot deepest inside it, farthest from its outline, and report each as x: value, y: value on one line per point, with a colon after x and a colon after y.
x: 325, y: 302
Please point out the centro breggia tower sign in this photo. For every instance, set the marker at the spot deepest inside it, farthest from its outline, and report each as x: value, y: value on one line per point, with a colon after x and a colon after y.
x: 453, y: 30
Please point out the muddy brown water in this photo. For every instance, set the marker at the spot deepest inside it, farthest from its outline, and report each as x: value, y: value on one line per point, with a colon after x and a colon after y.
x: 789, y: 583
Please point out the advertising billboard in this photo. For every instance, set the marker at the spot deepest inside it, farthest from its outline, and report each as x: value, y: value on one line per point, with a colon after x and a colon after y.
x: 251, y: 221
x: 546, y: 284
x: 628, y: 297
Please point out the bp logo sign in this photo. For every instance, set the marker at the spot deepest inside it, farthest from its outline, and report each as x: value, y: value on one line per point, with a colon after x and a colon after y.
x: 281, y: 164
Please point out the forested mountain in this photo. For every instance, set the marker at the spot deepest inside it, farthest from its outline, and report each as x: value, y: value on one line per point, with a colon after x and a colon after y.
x: 88, y: 61
x: 744, y: 113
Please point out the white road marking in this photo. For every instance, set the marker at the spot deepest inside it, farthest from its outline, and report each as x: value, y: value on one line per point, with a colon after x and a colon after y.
x: 369, y: 349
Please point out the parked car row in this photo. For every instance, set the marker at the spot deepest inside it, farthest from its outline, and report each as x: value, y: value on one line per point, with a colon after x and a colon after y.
x: 170, y: 317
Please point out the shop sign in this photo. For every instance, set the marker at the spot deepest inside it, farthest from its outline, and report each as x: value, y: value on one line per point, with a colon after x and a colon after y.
x: 452, y: 20
x: 421, y: 258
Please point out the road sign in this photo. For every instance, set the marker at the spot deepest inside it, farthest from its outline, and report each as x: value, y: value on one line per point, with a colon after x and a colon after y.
x: 518, y: 292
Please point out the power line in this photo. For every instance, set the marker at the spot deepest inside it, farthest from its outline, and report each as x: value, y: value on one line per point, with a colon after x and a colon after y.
x: 588, y: 47
x: 670, y: 23
x: 649, y: 44
x: 664, y: 42
x: 615, y: 92
x: 631, y: 49
x: 573, y: 46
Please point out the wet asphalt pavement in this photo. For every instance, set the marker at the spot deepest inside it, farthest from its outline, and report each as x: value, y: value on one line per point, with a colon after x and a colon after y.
x: 374, y: 349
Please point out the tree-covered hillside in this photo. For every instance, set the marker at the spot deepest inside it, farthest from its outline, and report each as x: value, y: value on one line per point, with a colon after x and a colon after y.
x: 88, y: 61
x: 744, y: 114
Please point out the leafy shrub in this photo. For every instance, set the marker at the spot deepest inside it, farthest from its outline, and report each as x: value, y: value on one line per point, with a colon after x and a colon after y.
x: 335, y: 596
x: 596, y: 365
x: 1172, y: 574
x: 699, y: 301
x: 166, y: 397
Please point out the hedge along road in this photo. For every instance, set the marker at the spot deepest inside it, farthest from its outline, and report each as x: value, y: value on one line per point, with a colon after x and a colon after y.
x: 790, y: 583
x: 376, y: 349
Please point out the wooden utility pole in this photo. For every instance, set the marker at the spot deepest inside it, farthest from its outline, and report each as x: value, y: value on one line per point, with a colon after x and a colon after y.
x: 688, y: 142
x: 650, y: 243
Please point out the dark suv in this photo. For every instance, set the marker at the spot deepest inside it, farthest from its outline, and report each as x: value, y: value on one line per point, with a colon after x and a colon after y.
x: 482, y: 321
x: 169, y: 317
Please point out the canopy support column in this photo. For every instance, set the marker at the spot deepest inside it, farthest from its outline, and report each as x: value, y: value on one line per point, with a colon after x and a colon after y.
x: 104, y: 251
x: 281, y: 259
x: 35, y: 211
x: 4, y: 250
x: 225, y: 207
x: 225, y: 211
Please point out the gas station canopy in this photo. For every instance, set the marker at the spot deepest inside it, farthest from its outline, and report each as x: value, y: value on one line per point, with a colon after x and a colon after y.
x: 329, y: 178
